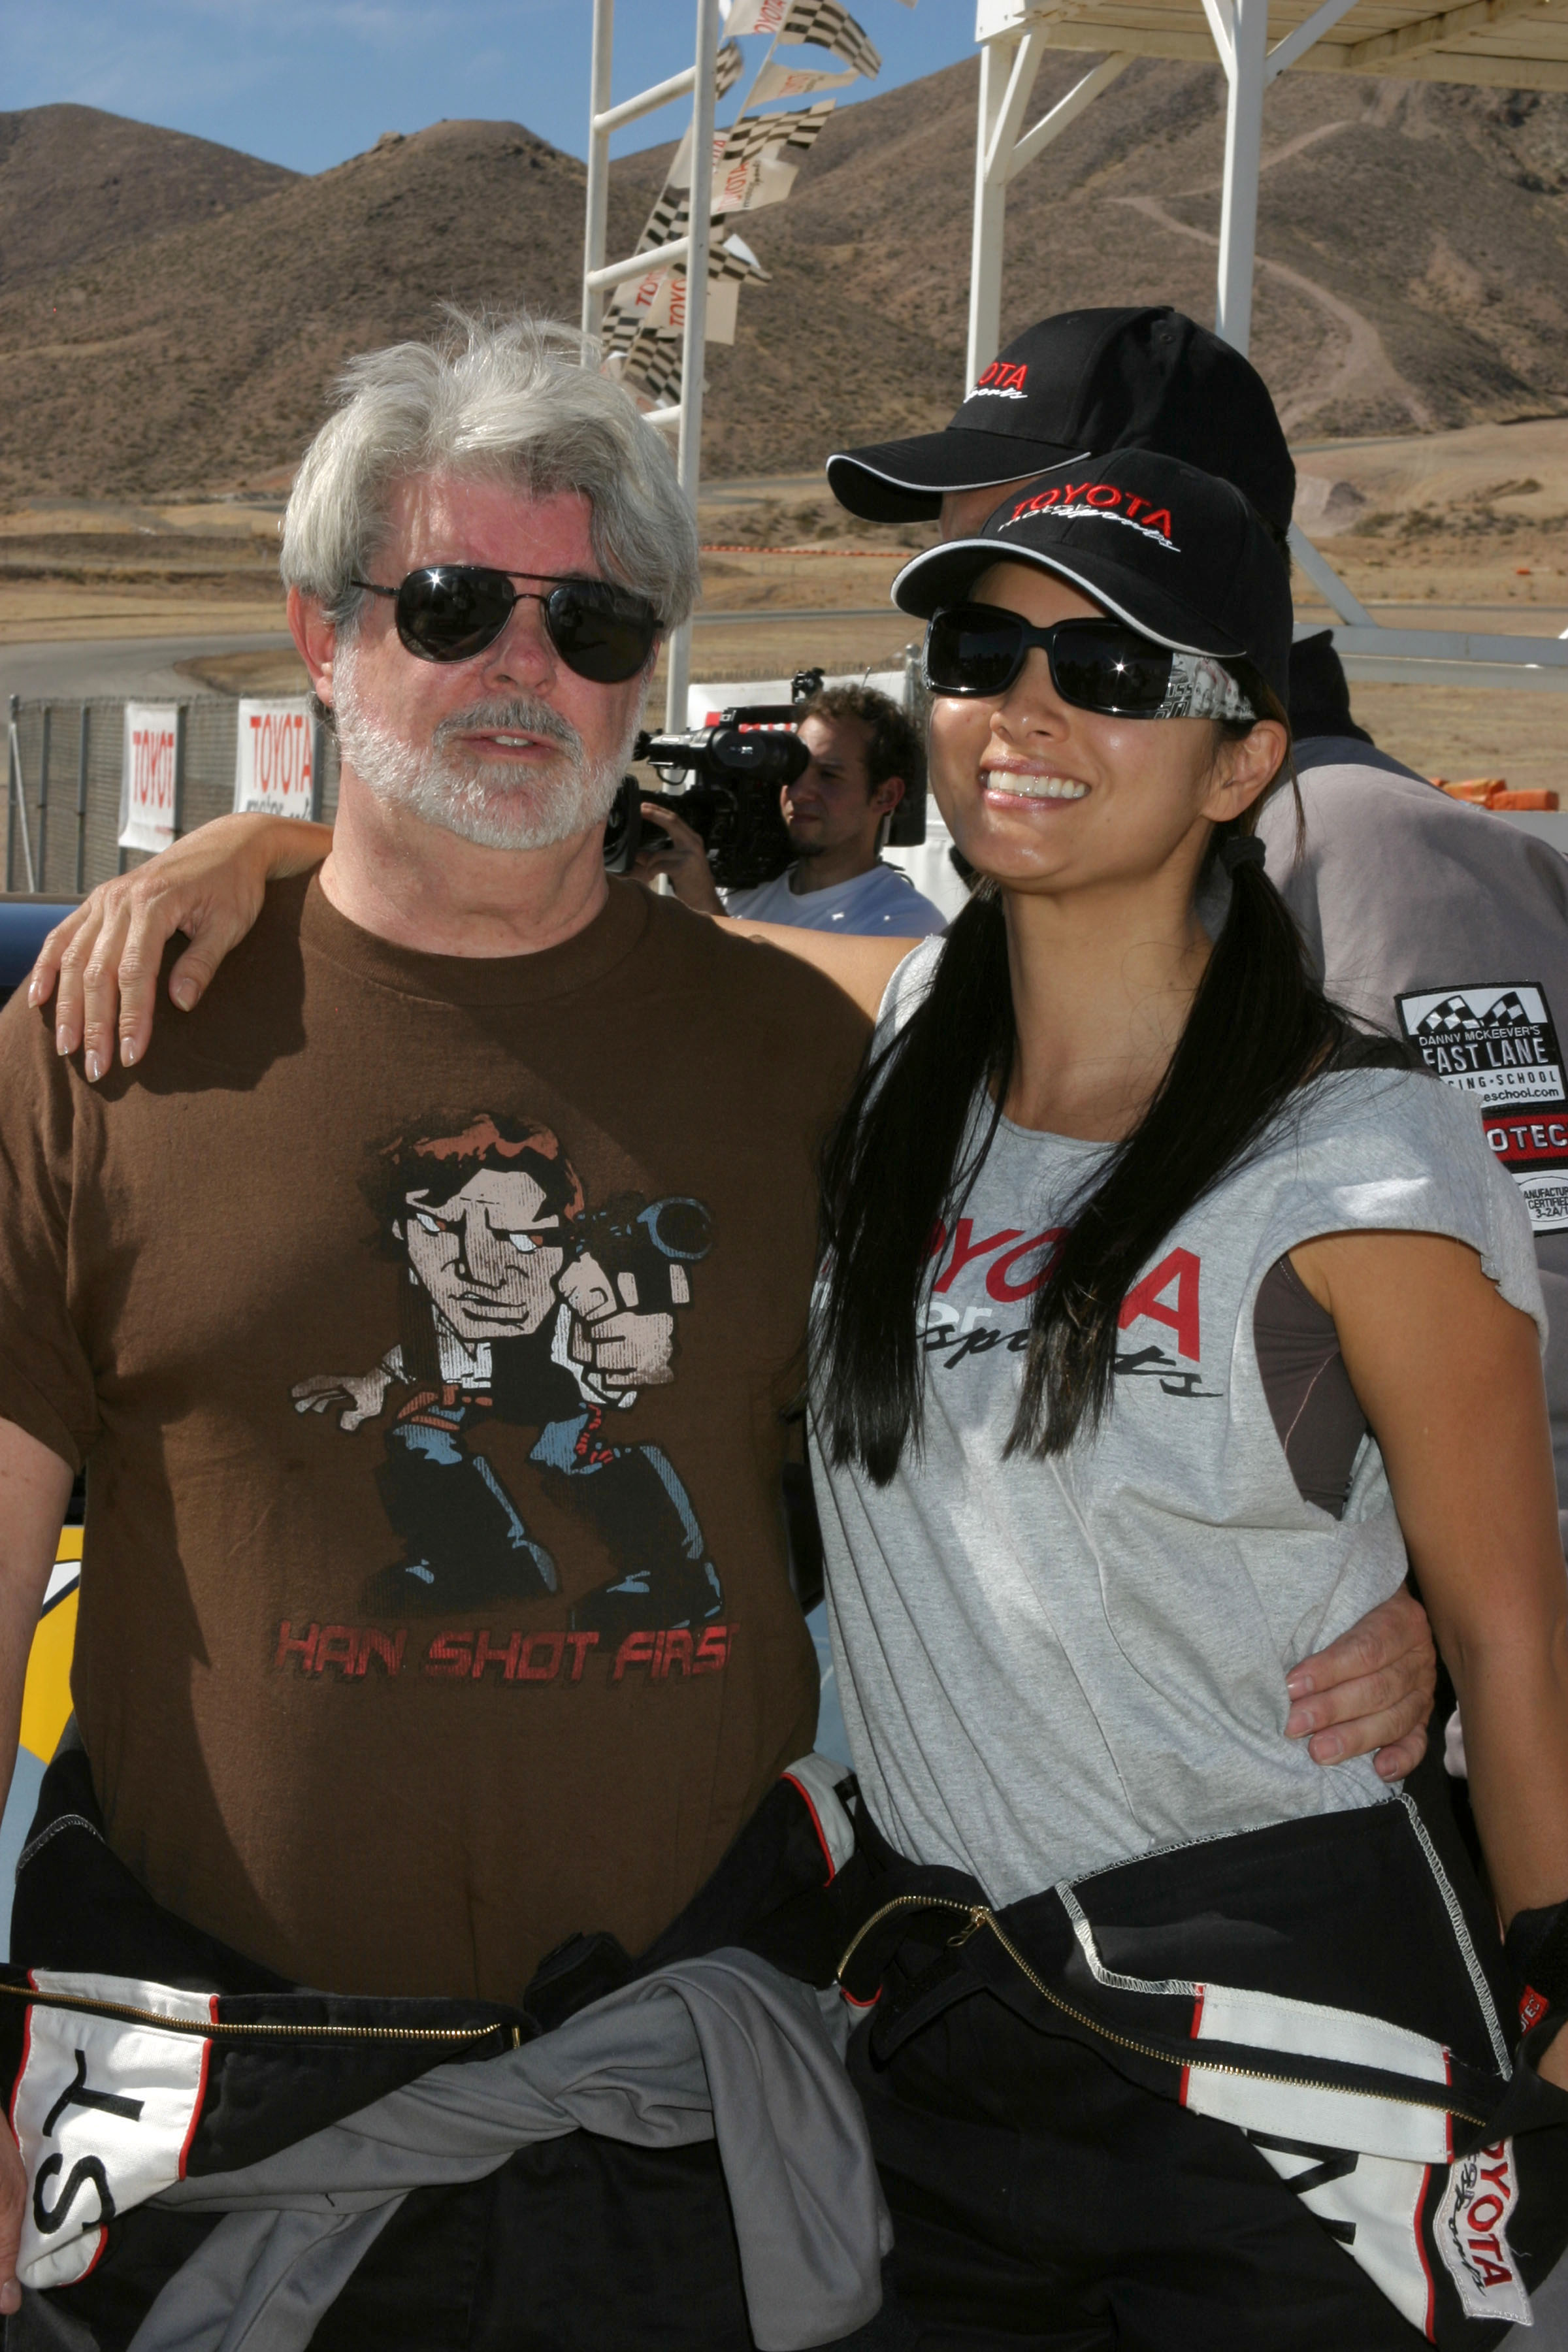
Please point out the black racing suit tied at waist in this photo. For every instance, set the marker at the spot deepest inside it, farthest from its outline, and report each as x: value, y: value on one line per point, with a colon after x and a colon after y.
x: 305, y: 2119
x: 1333, y: 1987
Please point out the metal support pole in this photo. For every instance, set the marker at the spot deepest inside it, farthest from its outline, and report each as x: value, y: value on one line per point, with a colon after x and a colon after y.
x: 16, y: 800
x: 1341, y: 600
x: 182, y: 712
x: 44, y: 801
x: 13, y: 771
x: 598, y: 165
x: 1066, y: 111
x: 81, y: 803
x: 688, y: 447
x: 990, y: 217
x: 1248, y: 73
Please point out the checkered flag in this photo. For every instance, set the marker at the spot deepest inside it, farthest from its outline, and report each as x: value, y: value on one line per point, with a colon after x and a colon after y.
x: 1445, y: 1019
x: 650, y: 310
x: 755, y: 133
x: 733, y: 259
x: 731, y: 65
x: 832, y: 27
x: 652, y: 364
x: 1456, y: 1013
x: 824, y: 22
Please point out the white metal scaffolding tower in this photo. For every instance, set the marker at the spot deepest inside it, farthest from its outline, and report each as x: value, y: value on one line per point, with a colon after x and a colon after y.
x: 690, y: 252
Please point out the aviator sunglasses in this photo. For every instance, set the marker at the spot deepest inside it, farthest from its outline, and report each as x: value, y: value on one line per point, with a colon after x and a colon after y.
x: 449, y: 611
x: 1096, y: 665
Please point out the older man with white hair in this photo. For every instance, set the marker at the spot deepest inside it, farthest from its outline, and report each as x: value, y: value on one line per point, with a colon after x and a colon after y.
x: 426, y: 1312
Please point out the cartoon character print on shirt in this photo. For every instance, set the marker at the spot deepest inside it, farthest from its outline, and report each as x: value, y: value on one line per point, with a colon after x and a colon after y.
x: 524, y: 1304
x: 979, y: 1295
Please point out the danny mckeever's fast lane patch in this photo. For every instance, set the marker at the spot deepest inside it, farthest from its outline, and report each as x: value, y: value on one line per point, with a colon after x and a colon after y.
x: 1497, y: 1041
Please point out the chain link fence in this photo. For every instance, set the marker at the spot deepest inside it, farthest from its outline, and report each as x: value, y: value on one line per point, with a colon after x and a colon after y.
x: 62, y: 802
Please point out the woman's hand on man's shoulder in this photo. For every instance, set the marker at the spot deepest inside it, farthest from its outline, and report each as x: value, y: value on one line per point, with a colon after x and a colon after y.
x: 102, y: 963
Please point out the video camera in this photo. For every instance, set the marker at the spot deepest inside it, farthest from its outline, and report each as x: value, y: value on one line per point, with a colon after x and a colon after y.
x: 738, y: 769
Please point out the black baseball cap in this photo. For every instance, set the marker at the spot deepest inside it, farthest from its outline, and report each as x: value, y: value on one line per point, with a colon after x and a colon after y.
x: 1077, y: 385
x: 1176, y: 553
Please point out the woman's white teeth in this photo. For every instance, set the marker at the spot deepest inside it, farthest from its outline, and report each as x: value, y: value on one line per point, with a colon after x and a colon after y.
x: 1041, y: 788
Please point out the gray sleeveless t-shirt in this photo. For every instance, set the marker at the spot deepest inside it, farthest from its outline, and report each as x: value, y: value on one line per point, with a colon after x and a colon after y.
x: 1046, y: 1667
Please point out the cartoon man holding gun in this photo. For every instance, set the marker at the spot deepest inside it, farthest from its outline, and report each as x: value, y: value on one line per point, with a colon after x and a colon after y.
x: 523, y: 1305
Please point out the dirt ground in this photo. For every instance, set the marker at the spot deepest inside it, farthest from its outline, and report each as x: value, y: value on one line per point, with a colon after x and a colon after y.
x: 1466, y: 529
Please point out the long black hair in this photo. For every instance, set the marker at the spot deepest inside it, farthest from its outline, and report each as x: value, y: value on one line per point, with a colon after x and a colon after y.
x: 897, y: 1169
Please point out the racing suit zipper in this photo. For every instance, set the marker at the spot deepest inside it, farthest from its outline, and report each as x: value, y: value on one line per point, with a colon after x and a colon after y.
x: 212, y: 2030
x: 980, y: 1914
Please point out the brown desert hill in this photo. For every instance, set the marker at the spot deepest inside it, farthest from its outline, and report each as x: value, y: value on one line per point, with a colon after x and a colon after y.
x: 75, y: 182
x: 200, y: 358
x: 1412, y: 245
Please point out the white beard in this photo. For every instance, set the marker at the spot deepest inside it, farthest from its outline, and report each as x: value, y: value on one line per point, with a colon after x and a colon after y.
x: 467, y: 796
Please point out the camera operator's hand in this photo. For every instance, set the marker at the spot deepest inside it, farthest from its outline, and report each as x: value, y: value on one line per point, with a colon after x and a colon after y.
x: 680, y: 856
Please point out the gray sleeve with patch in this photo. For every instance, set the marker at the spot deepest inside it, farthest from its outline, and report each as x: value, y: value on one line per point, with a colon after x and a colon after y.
x: 1447, y: 927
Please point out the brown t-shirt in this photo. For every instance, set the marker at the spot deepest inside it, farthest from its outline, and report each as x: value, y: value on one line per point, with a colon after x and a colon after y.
x: 425, y: 1323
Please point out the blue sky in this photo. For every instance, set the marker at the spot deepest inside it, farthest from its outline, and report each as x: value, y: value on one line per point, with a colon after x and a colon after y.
x: 307, y: 83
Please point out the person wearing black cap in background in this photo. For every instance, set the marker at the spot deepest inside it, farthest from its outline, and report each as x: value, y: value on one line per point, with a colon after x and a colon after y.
x: 1446, y: 926
x: 1438, y: 922
x: 1169, y: 2044
x: 1073, y: 387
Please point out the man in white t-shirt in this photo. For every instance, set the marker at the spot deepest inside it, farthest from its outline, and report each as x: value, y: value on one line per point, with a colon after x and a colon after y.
x: 865, y: 756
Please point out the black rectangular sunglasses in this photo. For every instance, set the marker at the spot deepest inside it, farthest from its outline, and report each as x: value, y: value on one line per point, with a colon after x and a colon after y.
x: 1096, y: 665
x: 450, y: 612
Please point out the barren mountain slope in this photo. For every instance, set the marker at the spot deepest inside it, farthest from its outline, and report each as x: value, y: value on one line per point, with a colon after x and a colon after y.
x: 202, y: 358
x: 75, y: 182
x: 1413, y: 273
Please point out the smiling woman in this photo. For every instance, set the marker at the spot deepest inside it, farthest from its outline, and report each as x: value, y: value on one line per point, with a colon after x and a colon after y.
x: 1110, y: 1142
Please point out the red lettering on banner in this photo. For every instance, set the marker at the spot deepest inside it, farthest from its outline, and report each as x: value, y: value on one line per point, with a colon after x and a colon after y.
x: 676, y: 1652
x: 1496, y: 2207
x: 581, y: 1645
x: 389, y: 1649
x: 965, y: 1247
x: 450, y: 1656
x: 487, y: 1655
x: 302, y: 1647
x: 337, y: 1647
x: 636, y: 1650
x: 281, y: 754
x: 713, y: 1650
x: 556, y: 1643
x: 153, y: 772
x: 996, y: 1281
x: 1184, y: 1269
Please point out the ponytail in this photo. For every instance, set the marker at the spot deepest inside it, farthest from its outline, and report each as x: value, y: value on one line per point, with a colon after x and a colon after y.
x: 905, y: 1155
